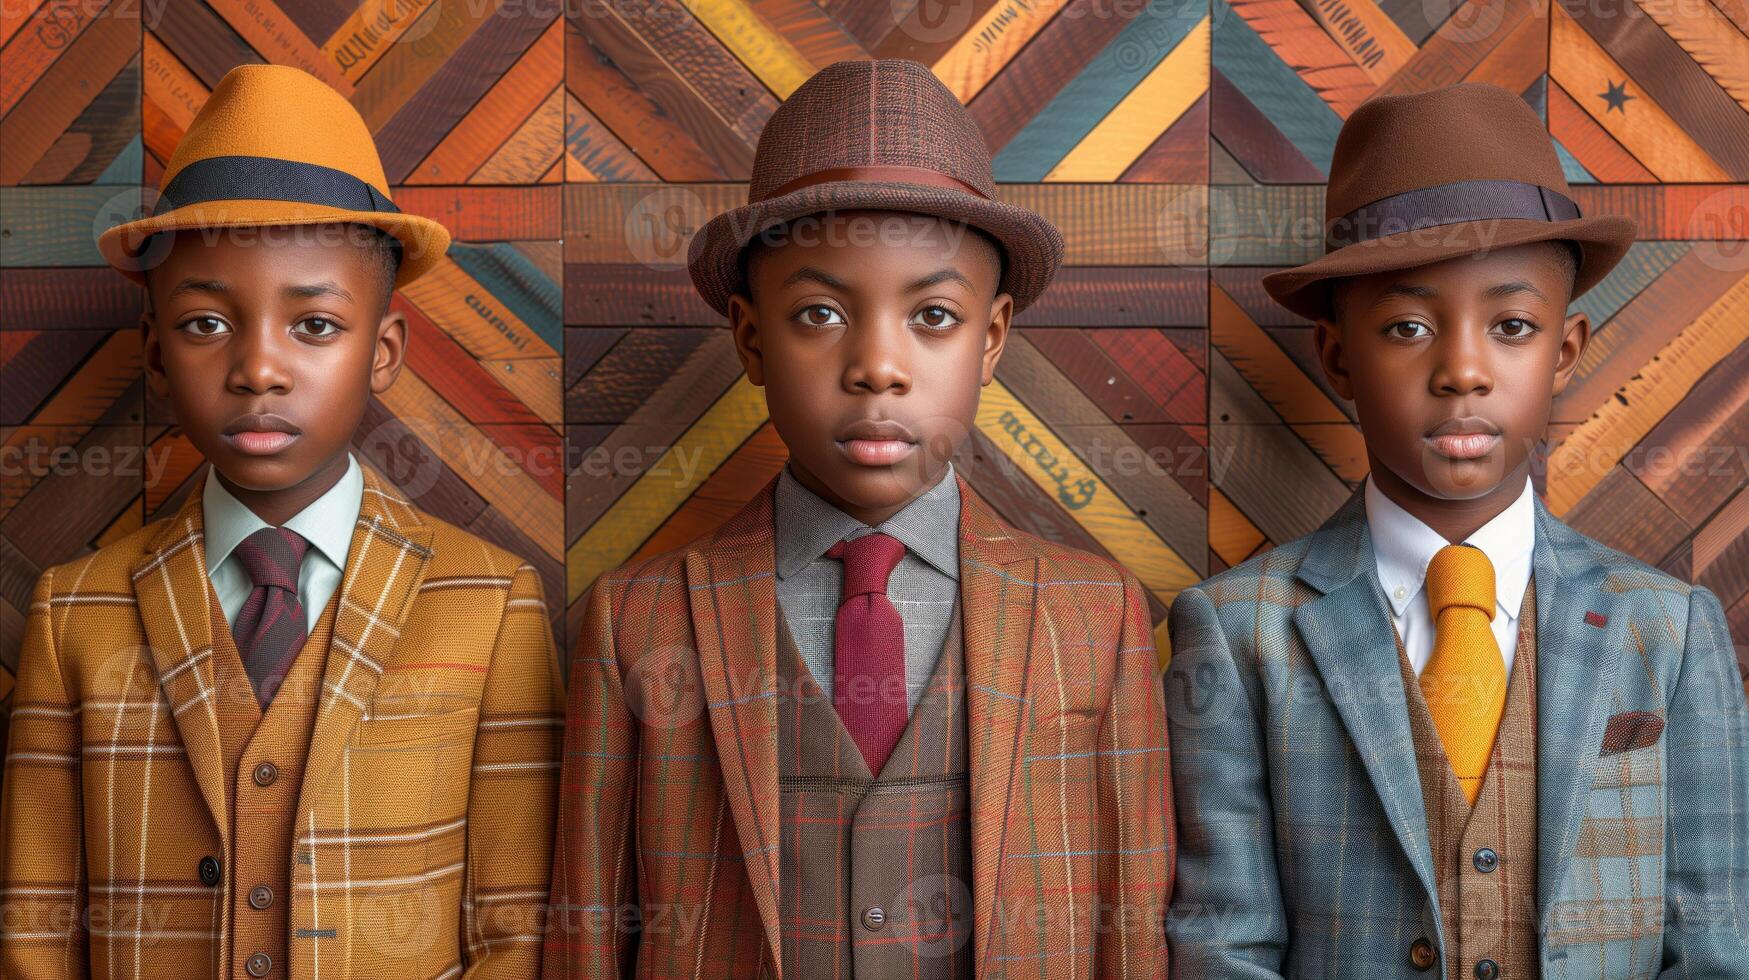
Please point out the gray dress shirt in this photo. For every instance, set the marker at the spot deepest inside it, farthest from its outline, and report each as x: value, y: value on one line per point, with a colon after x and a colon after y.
x: 924, y: 585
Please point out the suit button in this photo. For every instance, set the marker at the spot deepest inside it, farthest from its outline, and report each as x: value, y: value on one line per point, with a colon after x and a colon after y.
x: 1486, y: 860
x: 259, y: 965
x: 1421, y: 955
x: 209, y: 871
x: 266, y: 773
x: 874, y: 917
x: 1487, y: 970
x: 260, y: 897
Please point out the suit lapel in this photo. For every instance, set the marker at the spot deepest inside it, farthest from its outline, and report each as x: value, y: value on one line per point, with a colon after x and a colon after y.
x: 998, y: 606
x: 391, y: 548
x: 1349, y: 634
x: 173, y: 591
x: 1576, y: 664
x: 732, y: 593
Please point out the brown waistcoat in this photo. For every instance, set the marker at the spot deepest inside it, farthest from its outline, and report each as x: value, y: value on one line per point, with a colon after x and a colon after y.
x: 1487, y: 914
x: 875, y: 873
x: 264, y: 757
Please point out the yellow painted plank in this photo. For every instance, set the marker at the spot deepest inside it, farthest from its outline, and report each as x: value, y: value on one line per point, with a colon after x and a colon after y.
x: 1582, y: 67
x: 369, y: 33
x: 766, y: 53
x: 1051, y: 464
x: 1171, y: 88
x: 536, y: 382
x: 664, y: 487
x: 477, y: 460
x: 1598, y: 443
x: 468, y: 312
x: 1232, y: 536
x: 532, y: 150
x: 987, y: 46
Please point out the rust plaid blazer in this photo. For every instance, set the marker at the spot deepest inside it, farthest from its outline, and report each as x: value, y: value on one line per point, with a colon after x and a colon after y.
x: 666, y: 863
x: 424, y: 821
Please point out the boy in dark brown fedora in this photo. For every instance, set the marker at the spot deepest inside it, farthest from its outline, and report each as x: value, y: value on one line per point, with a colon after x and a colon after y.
x: 866, y: 728
x: 1446, y: 734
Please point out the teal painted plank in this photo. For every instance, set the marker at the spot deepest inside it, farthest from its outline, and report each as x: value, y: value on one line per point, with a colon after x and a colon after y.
x: 128, y: 167
x: 517, y: 283
x: 58, y: 226
x: 1570, y: 165
x: 1275, y: 89
x: 1645, y: 262
x: 1090, y: 97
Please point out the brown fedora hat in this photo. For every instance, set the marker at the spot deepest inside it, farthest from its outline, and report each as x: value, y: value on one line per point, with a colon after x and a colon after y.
x: 880, y: 135
x: 1420, y: 178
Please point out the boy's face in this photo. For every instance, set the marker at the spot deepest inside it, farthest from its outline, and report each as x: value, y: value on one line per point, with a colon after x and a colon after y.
x: 275, y: 321
x: 871, y: 333
x: 1453, y: 367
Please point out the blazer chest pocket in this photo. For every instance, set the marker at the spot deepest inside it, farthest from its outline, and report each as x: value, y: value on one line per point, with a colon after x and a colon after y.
x: 1632, y: 751
x: 414, y: 765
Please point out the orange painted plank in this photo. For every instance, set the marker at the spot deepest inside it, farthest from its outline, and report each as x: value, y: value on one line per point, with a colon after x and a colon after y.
x: 498, y: 114
x: 1596, y: 150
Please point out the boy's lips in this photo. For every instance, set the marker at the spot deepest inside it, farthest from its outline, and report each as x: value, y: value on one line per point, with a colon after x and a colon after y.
x: 261, y: 434
x: 1468, y: 437
x: 873, y: 442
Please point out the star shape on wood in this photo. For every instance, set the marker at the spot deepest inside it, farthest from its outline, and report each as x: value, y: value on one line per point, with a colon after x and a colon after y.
x: 1617, y: 96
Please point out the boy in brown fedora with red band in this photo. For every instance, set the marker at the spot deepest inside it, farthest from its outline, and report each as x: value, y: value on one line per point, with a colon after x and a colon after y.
x: 298, y: 728
x: 1446, y: 734
x: 866, y: 728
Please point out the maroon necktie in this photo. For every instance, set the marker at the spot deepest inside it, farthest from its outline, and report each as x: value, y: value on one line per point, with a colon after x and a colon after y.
x: 270, y: 628
x: 868, y: 648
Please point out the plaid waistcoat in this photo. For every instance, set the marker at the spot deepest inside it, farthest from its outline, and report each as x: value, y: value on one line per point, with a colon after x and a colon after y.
x: 1487, y: 914
x: 875, y: 871
x: 263, y: 756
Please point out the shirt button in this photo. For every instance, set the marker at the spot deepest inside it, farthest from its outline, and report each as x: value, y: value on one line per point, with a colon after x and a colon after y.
x: 260, y: 896
x: 259, y: 965
x: 1486, y: 860
x: 1400, y: 592
x: 874, y: 917
x: 1421, y: 955
x: 266, y: 773
x: 209, y: 871
x: 1487, y: 970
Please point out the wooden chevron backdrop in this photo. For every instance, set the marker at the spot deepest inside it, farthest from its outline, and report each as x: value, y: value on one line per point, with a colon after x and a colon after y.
x: 1154, y: 406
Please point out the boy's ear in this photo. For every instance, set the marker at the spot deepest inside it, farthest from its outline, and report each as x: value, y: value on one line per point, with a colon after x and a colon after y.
x: 1334, y: 359
x: 996, y: 338
x: 391, y: 351
x: 1575, y: 336
x: 744, y: 327
x: 156, y: 379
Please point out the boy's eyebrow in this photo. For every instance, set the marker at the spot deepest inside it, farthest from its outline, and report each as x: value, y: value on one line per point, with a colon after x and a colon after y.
x: 944, y: 274
x: 820, y: 276
x: 1512, y: 286
x: 1508, y: 288
x: 304, y: 291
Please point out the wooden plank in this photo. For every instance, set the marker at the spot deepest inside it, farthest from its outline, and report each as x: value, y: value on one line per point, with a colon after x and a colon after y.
x: 767, y: 53
x: 1519, y: 61
x: 172, y: 97
x: 1156, y: 102
x: 67, y: 299
x: 1122, y: 224
x: 488, y: 125
x: 536, y: 382
x: 1623, y: 514
x: 47, y: 35
x: 634, y: 370
x: 1579, y: 64
x: 1019, y: 501
x: 820, y: 38
x: 1261, y: 465
x: 486, y: 214
x: 397, y: 77
x: 1369, y: 36
x: 532, y: 150
x: 516, y: 285
x: 105, y: 482
x: 462, y: 381
x: 608, y: 295
x: 44, y: 111
x: 1176, y: 381
x: 592, y: 152
x: 1721, y: 551
x: 1120, y: 296
x: 1232, y: 536
x: 1639, y: 268
x: 369, y: 31
x: 1252, y: 139
x: 1579, y: 463
x: 722, y: 494
x: 279, y: 39
x: 1460, y: 44
x: 476, y: 319
x: 1323, y: 65
x: 990, y: 43
x: 1694, y: 458
x: 21, y: 12
x: 201, y: 41
x: 922, y: 32
x: 1674, y: 211
x: 34, y: 370
x: 1056, y: 56
x: 1680, y: 86
x: 1181, y: 154
x: 1278, y: 225
x: 1602, y: 155
x: 97, y: 139
x: 1275, y: 88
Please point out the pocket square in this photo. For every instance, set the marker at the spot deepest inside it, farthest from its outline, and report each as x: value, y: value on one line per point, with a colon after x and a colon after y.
x: 1631, y: 730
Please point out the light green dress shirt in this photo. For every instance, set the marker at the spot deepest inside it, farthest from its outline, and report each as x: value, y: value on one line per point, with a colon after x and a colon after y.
x: 326, y: 523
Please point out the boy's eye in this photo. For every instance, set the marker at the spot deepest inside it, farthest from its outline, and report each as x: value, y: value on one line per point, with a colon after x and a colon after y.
x: 821, y: 315
x: 195, y: 326
x: 1407, y: 330
x: 323, y: 321
x: 1516, y: 328
x: 935, y: 318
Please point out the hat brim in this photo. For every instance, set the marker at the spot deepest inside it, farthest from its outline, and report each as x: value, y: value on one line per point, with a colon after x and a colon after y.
x: 1032, y: 246
x: 1603, y: 240
x: 423, y: 241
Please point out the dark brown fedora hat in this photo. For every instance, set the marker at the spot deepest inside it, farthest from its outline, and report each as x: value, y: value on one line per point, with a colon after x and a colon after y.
x: 1420, y: 178
x: 880, y: 135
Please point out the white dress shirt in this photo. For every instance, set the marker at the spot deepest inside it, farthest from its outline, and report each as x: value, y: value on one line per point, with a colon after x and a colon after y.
x: 1402, y: 547
x: 326, y: 523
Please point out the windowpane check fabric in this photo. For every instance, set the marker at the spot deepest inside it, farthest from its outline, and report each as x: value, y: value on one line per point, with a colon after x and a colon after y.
x: 269, y: 630
x: 868, y: 648
x: 1465, y: 679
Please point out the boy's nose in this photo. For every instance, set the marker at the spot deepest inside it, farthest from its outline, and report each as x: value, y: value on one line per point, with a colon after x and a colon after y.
x: 1463, y: 366
x: 876, y: 364
x: 257, y: 365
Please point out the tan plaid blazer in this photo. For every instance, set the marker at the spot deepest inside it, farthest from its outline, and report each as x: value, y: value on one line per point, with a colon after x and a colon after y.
x: 669, y: 832
x: 424, y: 820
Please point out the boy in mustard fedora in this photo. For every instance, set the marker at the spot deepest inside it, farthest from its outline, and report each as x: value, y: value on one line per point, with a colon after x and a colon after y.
x: 1445, y: 734
x: 866, y: 728
x: 299, y: 728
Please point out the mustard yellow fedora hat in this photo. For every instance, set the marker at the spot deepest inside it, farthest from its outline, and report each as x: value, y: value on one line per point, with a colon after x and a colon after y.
x: 274, y: 145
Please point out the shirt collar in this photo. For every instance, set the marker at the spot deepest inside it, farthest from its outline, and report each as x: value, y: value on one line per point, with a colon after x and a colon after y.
x: 807, y: 525
x: 1402, y: 546
x: 326, y: 523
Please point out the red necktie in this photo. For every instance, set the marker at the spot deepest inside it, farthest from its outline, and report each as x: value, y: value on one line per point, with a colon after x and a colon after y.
x: 270, y: 628
x: 868, y: 648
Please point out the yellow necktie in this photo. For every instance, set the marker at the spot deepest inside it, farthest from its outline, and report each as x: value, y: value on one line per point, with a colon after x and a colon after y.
x: 1465, y: 680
